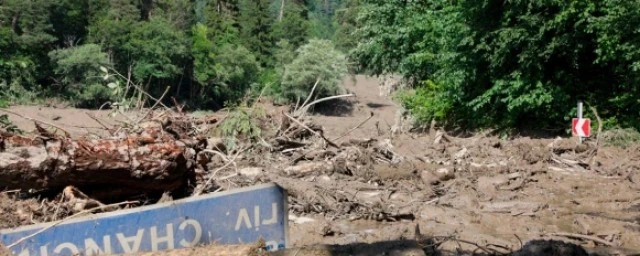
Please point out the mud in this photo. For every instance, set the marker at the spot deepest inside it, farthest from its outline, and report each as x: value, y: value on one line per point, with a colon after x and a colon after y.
x: 477, y: 193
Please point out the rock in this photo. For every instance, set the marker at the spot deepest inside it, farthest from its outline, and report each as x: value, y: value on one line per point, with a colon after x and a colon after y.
x: 581, y: 148
x: 634, y: 178
x: 445, y: 174
x: 550, y: 247
x: 433, y: 213
x: 428, y: 177
x: 251, y: 172
x: 431, y: 177
x: 461, y: 154
x: 488, y: 185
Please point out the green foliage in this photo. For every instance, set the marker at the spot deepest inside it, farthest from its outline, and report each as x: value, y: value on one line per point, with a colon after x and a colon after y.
x: 202, y: 51
x: 317, y: 59
x: 425, y: 102
x: 622, y: 138
x: 293, y: 27
x: 242, y: 124
x: 156, y: 50
x: 225, y: 73
x: 507, y: 64
x: 255, y: 22
x: 346, y: 25
x: 236, y: 70
x: 80, y: 79
x: 8, y: 126
x: 205, y: 50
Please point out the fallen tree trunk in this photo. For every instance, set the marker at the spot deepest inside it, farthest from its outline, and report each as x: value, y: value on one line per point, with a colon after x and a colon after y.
x: 146, y: 162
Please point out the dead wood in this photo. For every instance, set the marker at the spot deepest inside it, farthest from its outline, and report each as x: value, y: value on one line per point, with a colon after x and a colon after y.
x: 584, y: 237
x: 147, y: 162
x: 311, y: 130
x: 355, y: 128
x: 310, y: 167
x: 78, y: 200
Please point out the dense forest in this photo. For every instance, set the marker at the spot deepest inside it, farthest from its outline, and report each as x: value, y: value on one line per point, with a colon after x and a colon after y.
x: 204, y: 52
x: 468, y: 63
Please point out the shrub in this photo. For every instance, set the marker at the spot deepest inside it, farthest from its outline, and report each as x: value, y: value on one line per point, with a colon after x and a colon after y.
x: 317, y: 59
x: 242, y: 125
x: 79, y: 75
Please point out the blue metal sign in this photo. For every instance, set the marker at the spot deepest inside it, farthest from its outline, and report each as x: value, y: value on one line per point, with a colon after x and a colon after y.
x: 233, y: 217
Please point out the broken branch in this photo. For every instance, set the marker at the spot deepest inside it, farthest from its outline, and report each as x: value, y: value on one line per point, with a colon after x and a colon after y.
x: 354, y: 128
x: 310, y: 130
x: 585, y: 237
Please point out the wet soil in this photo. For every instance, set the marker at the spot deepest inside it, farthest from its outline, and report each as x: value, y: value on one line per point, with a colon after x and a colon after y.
x: 480, y: 193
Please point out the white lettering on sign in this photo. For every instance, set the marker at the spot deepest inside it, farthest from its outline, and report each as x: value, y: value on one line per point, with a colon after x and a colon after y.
x: 72, y: 248
x: 131, y: 244
x: 198, y: 232
x: 274, y: 215
x: 92, y: 248
x: 243, y: 217
x: 168, y: 238
x: 124, y: 241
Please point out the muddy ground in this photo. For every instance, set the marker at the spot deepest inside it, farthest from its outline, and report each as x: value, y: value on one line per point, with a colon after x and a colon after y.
x: 387, y: 191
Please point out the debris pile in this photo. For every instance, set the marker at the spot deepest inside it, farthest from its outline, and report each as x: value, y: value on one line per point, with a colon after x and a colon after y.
x: 454, y: 182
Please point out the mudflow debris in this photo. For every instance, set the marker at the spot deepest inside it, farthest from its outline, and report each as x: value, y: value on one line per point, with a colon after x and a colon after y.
x: 357, y: 190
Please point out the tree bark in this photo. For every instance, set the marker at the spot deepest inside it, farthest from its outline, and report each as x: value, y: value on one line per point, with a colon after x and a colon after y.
x: 281, y: 10
x: 148, y: 162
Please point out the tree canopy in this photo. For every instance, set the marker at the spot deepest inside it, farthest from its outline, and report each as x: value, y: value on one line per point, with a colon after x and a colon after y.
x: 496, y: 63
x: 469, y: 64
x: 207, y: 51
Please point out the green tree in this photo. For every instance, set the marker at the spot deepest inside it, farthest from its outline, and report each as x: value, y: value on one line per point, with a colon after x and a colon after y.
x: 293, y: 26
x: 156, y: 50
x: 79, y: 76
x: 27, y: 36
x: 506, y: 63
x: 346, y: 23
x: 317, y: 59
x: 255, y: 21
x: 223, y: 73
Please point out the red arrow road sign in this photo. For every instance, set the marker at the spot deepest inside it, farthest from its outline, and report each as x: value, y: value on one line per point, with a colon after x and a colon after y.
x: 581, y: 127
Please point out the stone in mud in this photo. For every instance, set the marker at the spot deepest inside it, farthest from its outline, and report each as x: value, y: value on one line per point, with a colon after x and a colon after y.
x: 488, y: 185
x: 428, y: 177
x: 550, y: 248
x: 445, y: 174
x: 250, y: 172
x: 635, y: 178
x: 433, y: 177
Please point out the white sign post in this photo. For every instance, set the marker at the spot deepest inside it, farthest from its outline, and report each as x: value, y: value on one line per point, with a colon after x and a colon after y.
x: 579, y: 118
x: 581, y: 127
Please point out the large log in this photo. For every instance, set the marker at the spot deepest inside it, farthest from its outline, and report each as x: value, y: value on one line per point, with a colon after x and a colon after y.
x: 147, y: 162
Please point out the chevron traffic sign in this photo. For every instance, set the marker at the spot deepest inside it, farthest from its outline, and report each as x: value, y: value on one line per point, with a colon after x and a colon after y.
x: 581, y: 127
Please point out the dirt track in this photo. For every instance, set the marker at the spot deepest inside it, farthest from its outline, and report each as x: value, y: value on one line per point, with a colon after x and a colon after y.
x: 464, y: 193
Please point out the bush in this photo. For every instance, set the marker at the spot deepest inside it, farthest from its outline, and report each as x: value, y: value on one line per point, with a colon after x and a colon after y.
x: 243, y: 124
x: 317, y: 59
x: 424, y: 103
x: 79, y: 76
x: 621, y: 137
